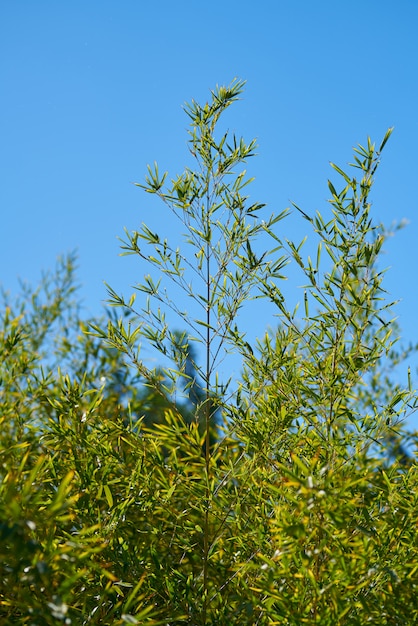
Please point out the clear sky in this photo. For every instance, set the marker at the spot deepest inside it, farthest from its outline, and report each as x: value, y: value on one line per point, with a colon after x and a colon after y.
x: 91, y: 92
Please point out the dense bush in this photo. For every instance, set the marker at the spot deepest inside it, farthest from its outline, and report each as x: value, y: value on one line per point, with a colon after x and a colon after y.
x: 138, y: 495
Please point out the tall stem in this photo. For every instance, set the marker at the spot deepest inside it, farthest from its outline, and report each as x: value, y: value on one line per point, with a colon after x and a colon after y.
x: 207, y: 437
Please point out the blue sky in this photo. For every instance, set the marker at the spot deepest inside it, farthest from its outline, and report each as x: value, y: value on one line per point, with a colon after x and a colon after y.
x: 93, y: 91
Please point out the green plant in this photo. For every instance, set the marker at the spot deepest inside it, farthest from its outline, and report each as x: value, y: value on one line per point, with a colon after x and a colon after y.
x: 132, y: 494
x: 308, y: 411
x: 56, y: 427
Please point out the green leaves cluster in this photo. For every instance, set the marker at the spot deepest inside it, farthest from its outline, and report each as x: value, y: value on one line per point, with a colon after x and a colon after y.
x: 132, y: 494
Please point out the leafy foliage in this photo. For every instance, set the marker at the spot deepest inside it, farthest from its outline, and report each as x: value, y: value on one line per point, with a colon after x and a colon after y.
x: 138, y: 495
